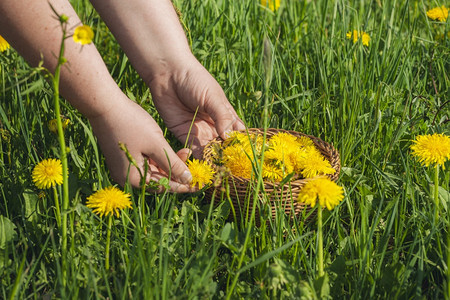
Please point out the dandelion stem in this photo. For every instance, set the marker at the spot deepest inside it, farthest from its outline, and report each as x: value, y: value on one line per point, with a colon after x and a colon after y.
x: 448, y: 262
x: 320, y: 240
x: 108, y: 241
x: 63, y: 153
x: 57, y: 209
x: 436, y: 194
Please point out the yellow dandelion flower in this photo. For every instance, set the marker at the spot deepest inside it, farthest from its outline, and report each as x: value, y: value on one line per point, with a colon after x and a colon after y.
x: 284, y: 142
x: 247, y: 141
x: 237, y: 159
x: 4, y: 45
x: 282, y: 160
x: 432, y: 149
x: 305, y: 141
x: 83, y: 34
x: 202, y: 173
x: 108, y: 201
x: 272, y: 4
x: 284, y: 148
x: 284, y: 139
x: 305, y: 147
x: 65, y: 123
x: 438, y: 13
x: 235, y: 136
x: 53, y: 125
x: 272, y: 172
x: 297, y: 159
x: 47, y: 173
x: 313, y: 164
x: 365, y: 38
x: 355, y: 35
x: 352, y: 35
x: 327, y: 192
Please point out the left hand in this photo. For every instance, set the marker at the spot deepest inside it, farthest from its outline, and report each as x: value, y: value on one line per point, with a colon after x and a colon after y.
x: 190, y: 92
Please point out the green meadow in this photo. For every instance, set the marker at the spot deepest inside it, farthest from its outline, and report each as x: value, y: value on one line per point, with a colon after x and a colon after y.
x: 294, y: 69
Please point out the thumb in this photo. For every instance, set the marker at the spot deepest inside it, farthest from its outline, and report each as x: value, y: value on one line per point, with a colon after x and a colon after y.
x: 224, y: 116
x: 184, y: 154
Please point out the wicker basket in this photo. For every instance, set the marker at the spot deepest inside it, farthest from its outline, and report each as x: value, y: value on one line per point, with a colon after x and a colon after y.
x: 279, y: 196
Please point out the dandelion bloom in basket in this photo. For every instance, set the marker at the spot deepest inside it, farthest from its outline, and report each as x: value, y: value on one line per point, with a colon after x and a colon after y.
x: 237, y: 153
x: 4, y: 45
x: 272, y: 4
x: 83, y: 35
x: 238, y: 160
x: 355, y: 35
x: 202, y: 173
x: 313, y: 164
x: 432, y: 149
x: 48, y: 173
x: 109, y: 201
x: 438, y: 13
x: 321, y: 189
x: 279, y: 158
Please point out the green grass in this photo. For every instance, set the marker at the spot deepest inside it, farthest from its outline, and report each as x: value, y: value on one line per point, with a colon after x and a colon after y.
x: 370, y: 102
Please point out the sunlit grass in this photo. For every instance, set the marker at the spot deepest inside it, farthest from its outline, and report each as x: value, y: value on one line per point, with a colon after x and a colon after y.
x: 293, y: 69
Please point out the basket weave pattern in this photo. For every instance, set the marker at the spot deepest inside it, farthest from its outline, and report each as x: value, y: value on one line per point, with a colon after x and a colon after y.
x: 280, y: 196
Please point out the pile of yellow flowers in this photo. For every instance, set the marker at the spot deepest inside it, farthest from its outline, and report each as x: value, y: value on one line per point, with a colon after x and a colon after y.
x: 283, y: 154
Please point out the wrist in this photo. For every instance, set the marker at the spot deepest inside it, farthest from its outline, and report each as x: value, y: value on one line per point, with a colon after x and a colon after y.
x: 149, y: 32
x: 163, y: 70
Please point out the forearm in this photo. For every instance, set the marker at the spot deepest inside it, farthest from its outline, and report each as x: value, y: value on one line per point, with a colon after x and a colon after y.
x: 32, y: 28
x: 149, y: 32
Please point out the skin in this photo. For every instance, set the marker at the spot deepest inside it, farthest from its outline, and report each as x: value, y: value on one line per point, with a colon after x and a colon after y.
x: 150, y: 34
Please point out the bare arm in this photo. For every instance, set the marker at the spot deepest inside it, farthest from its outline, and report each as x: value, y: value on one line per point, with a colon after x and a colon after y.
x: 32, y: 29
x: 149, y: 32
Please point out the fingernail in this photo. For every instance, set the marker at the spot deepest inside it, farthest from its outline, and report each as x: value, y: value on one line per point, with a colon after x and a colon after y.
x: 186, y: 178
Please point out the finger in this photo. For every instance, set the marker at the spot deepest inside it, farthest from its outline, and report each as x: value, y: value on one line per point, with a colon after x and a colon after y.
x: 197, y: 151
x: 173, y: 186
x: 155, y: 174
x: 224, y: 116
x: 236, y: 125
x: 184, y: 154
x: 132, y: 175
x: 166, y: 159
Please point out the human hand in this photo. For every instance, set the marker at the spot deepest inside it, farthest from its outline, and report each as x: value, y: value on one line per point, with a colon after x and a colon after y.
x: 190, y: 91
x: 128, y: 123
